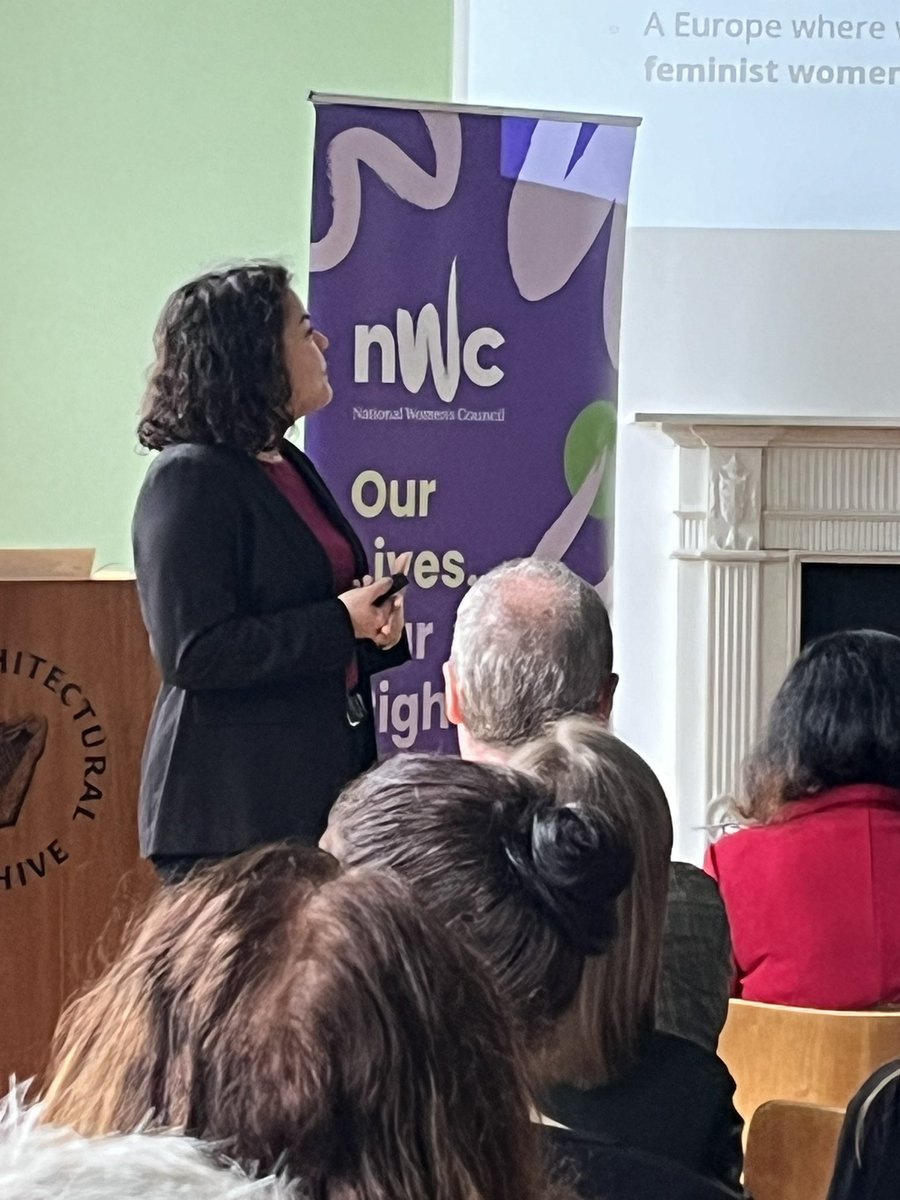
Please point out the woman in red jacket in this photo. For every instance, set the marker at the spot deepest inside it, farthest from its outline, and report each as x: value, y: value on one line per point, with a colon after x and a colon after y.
x: 812, y: 886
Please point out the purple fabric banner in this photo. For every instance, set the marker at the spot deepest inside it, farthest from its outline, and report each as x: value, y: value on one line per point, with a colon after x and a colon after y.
x: 467, y: 268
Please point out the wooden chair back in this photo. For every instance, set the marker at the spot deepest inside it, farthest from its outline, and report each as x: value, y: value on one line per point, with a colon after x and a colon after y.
x: 791, y: 1150
x: 803, y: 1054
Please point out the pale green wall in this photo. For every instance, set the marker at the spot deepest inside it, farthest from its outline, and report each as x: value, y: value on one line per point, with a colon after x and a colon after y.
x: 142, y: 141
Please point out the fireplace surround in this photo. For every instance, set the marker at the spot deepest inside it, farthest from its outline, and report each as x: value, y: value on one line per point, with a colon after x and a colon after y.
x: 758, y: 498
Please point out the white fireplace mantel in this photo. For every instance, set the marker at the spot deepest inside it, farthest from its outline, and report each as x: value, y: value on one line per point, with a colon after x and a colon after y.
x: 730, y: 430
x: 757, y: 497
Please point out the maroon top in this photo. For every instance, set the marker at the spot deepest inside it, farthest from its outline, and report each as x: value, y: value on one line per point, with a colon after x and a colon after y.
x: 302, y: 499
x: 812, y: 900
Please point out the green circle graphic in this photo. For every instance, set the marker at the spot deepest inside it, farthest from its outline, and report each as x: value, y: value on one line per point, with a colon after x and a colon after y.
x: 592, y: 432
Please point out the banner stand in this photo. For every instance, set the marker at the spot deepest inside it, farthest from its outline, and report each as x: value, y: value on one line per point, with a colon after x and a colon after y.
x: 466, y: 264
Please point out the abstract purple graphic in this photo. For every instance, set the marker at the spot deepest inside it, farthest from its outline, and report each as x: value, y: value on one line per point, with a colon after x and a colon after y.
x: 467, y: 268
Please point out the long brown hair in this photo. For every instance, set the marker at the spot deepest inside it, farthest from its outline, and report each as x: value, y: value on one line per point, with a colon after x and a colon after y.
x: 616, y: 1003
x: 307, y: 1020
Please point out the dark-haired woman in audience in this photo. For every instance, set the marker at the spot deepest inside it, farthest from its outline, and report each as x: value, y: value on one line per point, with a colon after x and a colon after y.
x: 535, y: 873
x: 812, y: 887
x: 246, y: 569
x: 309, y: 1021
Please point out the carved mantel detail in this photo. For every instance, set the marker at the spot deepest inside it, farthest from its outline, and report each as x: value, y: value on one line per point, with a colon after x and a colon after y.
x: 734, y: 514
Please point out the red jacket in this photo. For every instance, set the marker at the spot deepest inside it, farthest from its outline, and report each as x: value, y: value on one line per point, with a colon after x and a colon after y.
x: 814, y: 901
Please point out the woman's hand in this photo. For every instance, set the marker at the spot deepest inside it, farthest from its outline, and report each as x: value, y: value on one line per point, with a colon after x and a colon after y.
x: 377, y: 623
x: 383, y: 624
x: 391, y: 633
x: 394, y: 631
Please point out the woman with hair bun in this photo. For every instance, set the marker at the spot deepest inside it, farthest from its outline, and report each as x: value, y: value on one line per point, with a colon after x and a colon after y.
x: 535, y: 879
x: 608, y: 1068
x: 812, y: 885
x: 530, y: 885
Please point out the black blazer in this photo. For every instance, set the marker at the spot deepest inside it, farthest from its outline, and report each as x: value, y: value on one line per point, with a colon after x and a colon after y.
x: 249, y: 740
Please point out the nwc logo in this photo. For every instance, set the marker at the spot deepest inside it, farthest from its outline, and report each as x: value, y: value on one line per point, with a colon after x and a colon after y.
x: 417, y: 344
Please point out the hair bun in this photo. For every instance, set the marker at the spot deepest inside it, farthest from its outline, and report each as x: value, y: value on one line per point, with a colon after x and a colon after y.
x: 576, y: 865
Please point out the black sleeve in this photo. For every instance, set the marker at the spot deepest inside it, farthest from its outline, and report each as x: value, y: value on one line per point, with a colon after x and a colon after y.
x: 186, y: 543
x: 373, y: 659
x: 726, y: 1151
x: 867, y: 1164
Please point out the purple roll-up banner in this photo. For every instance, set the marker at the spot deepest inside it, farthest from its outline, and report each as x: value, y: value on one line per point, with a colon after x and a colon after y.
x: 466, y: 265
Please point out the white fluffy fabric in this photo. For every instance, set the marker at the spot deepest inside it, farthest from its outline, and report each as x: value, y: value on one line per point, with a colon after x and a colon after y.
x: 41, y: 1162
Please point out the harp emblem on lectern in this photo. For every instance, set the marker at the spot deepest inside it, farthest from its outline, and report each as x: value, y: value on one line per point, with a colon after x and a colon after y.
x: 22, y: 741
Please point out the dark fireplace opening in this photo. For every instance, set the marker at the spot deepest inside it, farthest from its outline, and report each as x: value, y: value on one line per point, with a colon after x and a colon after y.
x: 836, y: 596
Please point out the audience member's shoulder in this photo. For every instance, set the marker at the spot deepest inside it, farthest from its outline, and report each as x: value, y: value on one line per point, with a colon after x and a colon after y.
x: 692, y: 885
x: 679, y: 1052
x: 742, y: 844
x: 675, y: 1058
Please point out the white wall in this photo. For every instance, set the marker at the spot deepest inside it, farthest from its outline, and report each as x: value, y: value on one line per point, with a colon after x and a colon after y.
x: 727, y: 321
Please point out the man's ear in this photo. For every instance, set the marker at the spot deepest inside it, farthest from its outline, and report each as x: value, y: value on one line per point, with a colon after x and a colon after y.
x: 605, y: 699
x: 451, y: 695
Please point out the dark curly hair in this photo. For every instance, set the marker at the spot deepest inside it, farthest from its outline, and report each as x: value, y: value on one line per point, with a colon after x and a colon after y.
x: 834, y: 721
x: 219, y: 376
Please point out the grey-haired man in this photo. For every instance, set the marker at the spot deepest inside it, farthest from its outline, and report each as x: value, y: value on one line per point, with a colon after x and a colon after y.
x: 532, y: 643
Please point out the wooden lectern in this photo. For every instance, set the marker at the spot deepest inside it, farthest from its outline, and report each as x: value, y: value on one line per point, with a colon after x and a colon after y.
x: 77, y: 684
